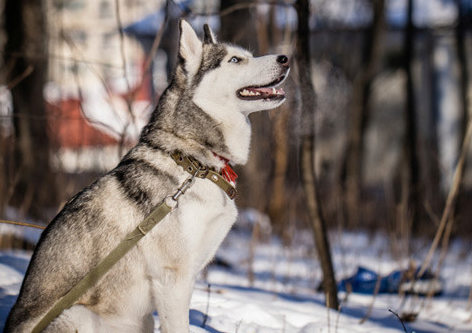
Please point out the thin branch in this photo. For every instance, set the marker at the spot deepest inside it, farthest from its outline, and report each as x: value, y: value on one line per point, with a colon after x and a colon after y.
x: 401, y: 321
x: 337, y: 319
x: 205, y: 317
x: 17, y: 80
x: 469, y: 299
x: 374, y: 297
x: 74, y: 48
x: 157, y: 40
x: 81, y: 98
x: 38, y: 117
x: 123, y: 58
x: 244, y: 5
x: 238, y: 325
x: 154, y: 47
x: 23, y: 224
x: 37, y: 56
x: 12, y: 185
x: 451, y: 199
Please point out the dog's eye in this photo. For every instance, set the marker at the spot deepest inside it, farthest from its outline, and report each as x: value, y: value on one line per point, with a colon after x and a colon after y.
x: 235, y: 60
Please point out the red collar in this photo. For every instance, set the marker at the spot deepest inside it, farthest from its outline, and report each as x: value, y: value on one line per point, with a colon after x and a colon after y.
x: 227, y: 172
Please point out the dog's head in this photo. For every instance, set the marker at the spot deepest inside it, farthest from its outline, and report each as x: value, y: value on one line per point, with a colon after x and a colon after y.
x: 221, y: 75
x: 215, y: 87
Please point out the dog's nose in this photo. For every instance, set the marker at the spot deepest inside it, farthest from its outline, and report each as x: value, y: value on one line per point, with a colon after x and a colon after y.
x: 282, y: 59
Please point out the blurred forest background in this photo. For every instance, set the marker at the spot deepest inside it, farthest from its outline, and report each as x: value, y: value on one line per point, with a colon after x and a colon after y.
x: 374, y: 134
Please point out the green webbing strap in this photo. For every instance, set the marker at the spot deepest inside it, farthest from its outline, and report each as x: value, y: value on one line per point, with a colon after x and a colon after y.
x: 104, y: 266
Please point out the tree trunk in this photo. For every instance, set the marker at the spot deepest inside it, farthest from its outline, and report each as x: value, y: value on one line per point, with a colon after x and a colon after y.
x: 307, y: 152
x: 464, y: 87
x: 277, y: 206
x: 360, y: 111
x: 410, y: 180
x: 26, y: 51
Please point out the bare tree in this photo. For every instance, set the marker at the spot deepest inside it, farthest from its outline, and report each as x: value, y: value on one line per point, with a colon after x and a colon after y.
x: 26, y: 53
x: 307, y: 152
x: 360, y: 110
x: 410, y: 174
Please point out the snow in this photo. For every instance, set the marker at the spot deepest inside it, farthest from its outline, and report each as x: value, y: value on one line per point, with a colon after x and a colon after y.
x: 282, y: 297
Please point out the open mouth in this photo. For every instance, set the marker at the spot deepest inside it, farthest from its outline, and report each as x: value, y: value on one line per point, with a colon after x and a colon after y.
x: 267, y: 92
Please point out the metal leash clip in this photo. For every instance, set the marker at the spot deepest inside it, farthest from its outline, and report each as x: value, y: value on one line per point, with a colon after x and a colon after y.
x: 182, y: 189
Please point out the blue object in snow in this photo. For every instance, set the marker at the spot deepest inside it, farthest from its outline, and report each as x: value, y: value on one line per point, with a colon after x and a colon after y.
x: 364, y: 282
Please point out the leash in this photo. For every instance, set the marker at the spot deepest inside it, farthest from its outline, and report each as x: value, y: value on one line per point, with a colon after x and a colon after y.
x: 196, y: 170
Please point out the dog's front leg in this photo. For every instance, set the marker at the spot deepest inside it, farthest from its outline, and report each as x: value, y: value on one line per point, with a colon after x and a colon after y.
x: 173, y: 303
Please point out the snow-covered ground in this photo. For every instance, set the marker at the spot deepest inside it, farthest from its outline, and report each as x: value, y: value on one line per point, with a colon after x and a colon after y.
x: 282, y: 296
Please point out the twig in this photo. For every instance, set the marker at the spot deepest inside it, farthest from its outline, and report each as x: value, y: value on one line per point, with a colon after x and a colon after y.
x: 374, y: 296
x: 244, y: 5
x: 327, y: 308
x: 74, y: 48
x: 157, y: 40
x: 401, y: 321
x: 451, y: 199
x: 23, y: 224
x: 123, y: 59
x: 469, y: 299
x: 252, y: 252
x: 20, y: 77
x: 443, y: 253
x: 431, y: 214
x: 155, y: 46
x: 12, y: 185
x: 82, y: 111
x: 238, y: 325
x: 39, y: 117
x: 48, y: 56
x: 72, y: 45
x: 337, y: 319
x: 205, y: 317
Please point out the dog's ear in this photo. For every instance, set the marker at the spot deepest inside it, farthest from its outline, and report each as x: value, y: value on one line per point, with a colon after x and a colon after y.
x: 190, y: 47
x: 209, y: 36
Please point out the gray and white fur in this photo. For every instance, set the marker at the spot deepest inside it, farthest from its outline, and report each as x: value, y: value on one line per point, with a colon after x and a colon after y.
x: 203, y: 113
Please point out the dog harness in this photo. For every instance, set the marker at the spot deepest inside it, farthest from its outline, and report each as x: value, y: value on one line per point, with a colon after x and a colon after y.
x: 196, y: 170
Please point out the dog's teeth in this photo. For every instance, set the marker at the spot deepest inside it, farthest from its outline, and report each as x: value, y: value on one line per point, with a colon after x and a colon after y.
x: 246, y: 93
x: 274, y: 91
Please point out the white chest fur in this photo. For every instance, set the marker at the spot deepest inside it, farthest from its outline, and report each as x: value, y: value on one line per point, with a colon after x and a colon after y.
x: 184, y: 242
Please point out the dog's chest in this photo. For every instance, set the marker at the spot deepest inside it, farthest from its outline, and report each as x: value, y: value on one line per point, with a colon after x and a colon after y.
x: 193, y: 231
x: 205, y: 216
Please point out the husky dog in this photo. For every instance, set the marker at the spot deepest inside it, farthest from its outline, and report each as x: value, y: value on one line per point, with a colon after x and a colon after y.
x: 204, y: 115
